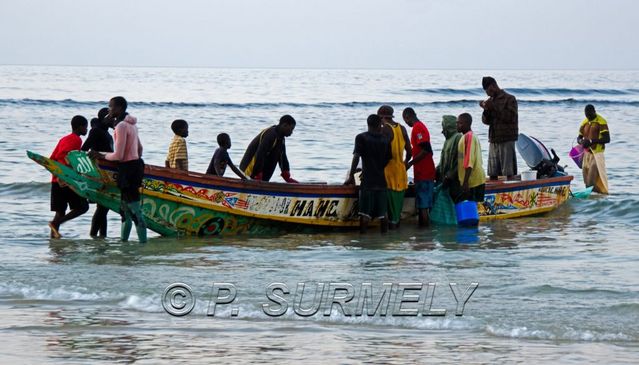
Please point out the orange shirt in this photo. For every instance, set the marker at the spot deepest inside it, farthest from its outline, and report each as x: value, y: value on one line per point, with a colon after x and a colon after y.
x: 68, y: 143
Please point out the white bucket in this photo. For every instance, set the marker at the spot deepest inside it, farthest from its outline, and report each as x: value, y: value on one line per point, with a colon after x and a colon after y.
x: 528, y: 175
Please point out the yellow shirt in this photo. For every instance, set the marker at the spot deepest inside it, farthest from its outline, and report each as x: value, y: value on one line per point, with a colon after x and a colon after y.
x: 594, y: 129
x: 469, y: 155
x: 177, y: 151
x: 395, y: 170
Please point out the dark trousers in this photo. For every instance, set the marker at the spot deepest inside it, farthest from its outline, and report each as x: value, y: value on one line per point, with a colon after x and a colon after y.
x: 99, y: 221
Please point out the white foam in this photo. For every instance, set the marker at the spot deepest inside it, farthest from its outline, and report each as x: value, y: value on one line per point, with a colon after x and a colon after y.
x: 65, y: 293
x: 142, y: 304
x: 569, y: 334
x: 253, y: 311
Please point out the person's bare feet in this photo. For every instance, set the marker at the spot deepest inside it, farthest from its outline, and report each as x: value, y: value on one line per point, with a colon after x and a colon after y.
x: 54, y: 230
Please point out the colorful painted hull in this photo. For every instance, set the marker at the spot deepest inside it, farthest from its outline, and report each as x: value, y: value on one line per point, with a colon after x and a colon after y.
x: 187, y: 203
x: 512, y: 199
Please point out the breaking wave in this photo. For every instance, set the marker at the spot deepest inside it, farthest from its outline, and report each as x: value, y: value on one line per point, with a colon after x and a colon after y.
x: 70, y: 103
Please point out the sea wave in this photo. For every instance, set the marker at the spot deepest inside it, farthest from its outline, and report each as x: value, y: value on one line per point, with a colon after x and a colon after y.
x: 550, y: 289
x: 559, y: 334
x: 607, y: 209
x: 152, y: 304
x: 65, y: 294
x: 71, y: 103
x: 22, y: 188
x: 528, y: 91
x: 624, y: 309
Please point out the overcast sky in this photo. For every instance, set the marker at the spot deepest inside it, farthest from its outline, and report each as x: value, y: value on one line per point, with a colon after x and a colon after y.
x: 421, y: 34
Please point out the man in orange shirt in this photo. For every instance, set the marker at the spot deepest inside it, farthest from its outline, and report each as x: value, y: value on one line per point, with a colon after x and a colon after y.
x: 62, y: 195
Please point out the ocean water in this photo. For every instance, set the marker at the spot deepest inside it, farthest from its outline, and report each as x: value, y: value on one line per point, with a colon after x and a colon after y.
x: 559, y: 288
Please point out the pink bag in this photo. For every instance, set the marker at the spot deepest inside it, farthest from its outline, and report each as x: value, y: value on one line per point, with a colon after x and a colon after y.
x: 577, y: 154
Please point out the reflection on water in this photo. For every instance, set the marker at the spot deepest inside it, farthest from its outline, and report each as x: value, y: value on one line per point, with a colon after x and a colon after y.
x: 157, y: 340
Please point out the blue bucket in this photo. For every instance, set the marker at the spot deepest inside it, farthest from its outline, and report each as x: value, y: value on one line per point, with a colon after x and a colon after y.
x: 467, y: 214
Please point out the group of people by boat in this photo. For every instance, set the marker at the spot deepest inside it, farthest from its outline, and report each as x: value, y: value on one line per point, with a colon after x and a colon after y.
x: 386, y: 151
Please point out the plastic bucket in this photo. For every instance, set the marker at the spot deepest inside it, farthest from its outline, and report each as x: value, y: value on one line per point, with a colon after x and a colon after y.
x: 467, y: 214
x: 577, y: 154
x: 528, y: 175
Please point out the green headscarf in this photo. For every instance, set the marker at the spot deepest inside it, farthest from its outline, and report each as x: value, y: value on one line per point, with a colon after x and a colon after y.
x: 448, y: 160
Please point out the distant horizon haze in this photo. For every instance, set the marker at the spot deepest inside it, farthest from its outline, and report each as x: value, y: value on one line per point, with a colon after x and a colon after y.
x: 331, y: 34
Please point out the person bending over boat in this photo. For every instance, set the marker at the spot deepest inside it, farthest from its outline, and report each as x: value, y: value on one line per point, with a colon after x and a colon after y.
x: 267, y: 150
x: 221, y: 158
x: 470, y: 170
x: 62, y: 195
x: 374, y: 149
x: 447, y: 167
x: 593, y: 136
x: 501, y: 115
x: 128, y: 154
x: 99, y: 140
x: 423, y: 165
x: 178, y: 156
x: 395, y: 171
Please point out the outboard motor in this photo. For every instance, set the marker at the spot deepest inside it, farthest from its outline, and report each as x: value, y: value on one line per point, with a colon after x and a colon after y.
x: 538, y: 158
x: 549, y: 168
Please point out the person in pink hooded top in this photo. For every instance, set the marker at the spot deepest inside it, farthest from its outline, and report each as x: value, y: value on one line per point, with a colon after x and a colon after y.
x: 128, y: 154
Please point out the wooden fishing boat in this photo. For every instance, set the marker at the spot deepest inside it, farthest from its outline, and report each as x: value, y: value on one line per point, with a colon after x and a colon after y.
x: 512, y: 199
x: 187, y: 203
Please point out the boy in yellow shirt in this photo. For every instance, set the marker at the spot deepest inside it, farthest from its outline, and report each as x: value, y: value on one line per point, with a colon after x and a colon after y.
x: 178, y: 157
x: 470, y: 170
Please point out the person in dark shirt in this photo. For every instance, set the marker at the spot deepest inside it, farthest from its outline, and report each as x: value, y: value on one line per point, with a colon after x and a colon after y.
x: 374, y: 149
x: 221, y: 158
x: 501, y: 115
x: 99, y: 140
x: 267, y: 150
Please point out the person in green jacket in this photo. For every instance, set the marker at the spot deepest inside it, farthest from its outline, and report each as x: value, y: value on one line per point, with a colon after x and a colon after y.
x: 447, y: 167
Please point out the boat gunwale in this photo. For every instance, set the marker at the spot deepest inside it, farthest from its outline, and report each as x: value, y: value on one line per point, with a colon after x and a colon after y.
x: 224, y: 183
x: 305, y: 190
x: 515, y: 185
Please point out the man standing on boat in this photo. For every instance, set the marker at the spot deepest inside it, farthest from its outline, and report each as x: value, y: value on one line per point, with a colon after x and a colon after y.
x: 128, y: 154
x: 501, y: 115
x: 423, y: 165
x: 593, y: 136
x: 395, y: 171
x: 267, y: 150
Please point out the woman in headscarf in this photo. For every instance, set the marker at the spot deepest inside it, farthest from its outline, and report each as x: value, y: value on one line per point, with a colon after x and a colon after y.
x: 447, y: 167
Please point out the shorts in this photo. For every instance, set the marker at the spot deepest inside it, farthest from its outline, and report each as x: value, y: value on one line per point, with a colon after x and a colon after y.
x: 130, y: 174
x: 373, y: 203
x: 424, y: 194
x: 502, y: 160
x: 63, y: 196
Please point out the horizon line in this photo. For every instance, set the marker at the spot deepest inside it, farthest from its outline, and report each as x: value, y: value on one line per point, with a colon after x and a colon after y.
x: 318, y: 68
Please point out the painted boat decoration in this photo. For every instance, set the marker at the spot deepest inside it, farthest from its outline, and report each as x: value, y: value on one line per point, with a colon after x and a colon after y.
x: 187, y: 203
x: 512, y: 199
